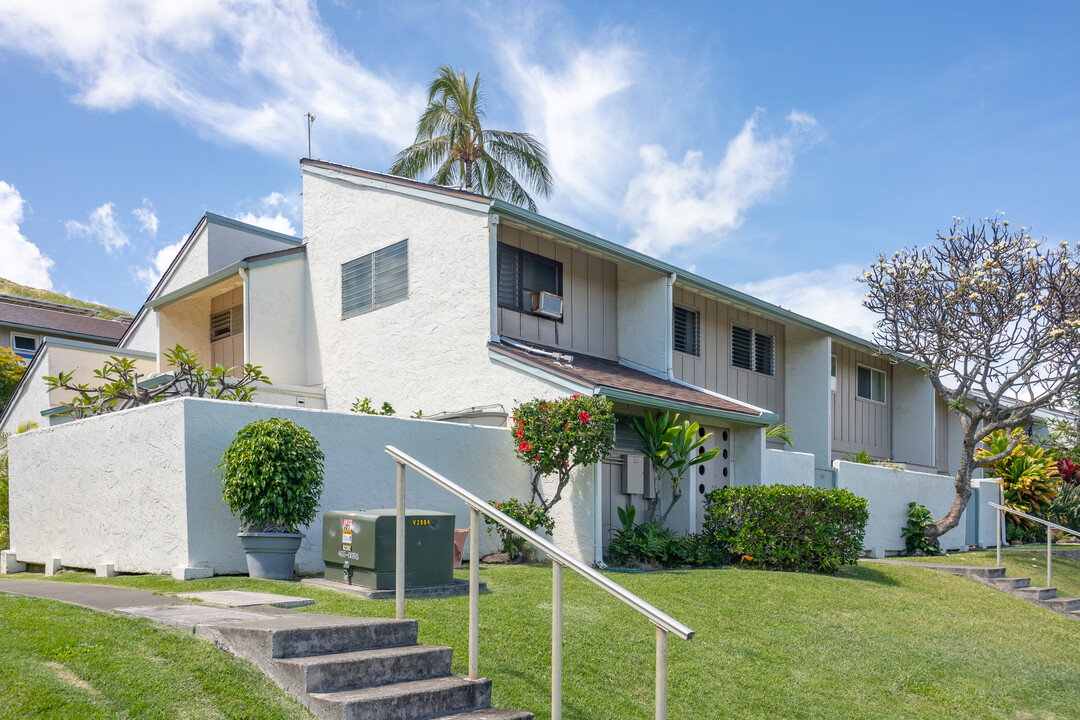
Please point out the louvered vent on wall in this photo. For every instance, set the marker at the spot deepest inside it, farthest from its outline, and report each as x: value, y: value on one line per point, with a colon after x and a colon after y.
x: 742, y: 348
x: 687, y: 330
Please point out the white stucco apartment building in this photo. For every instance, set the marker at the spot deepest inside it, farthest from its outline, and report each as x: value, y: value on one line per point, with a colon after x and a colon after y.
x: 422, y: 296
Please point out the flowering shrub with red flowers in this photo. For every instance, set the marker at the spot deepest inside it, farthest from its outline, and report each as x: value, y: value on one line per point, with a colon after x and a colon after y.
x: 528, y: 514
x: 555, y: 436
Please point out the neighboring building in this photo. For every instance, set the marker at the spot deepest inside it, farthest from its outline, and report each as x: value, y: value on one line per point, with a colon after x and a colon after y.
x: 25, y: 323
x: 436, y: 299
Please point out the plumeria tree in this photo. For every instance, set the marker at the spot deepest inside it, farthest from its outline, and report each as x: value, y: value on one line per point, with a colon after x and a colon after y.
x: 993, y: 318
x: 555, y: 436
x: 118, y: 386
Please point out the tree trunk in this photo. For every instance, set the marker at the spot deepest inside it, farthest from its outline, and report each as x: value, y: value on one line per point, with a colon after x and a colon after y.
x: 962, y: 483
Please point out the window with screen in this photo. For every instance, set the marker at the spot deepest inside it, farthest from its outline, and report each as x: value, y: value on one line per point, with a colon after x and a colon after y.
x: 24, y: 346
x: 871, y: 384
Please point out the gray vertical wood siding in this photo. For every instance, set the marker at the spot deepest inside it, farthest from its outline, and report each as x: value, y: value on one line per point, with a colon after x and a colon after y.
x: 941, y: 434
x: 860, y: 424
x: 713, y: 369
x: 590, y: 299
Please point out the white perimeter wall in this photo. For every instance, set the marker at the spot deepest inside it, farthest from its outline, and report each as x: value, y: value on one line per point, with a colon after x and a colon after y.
x: 140, y: 488
x: 888, y: 493
x: 784, y: 467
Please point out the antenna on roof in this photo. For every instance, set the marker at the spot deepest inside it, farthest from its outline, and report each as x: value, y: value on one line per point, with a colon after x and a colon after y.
x: 310, y: 119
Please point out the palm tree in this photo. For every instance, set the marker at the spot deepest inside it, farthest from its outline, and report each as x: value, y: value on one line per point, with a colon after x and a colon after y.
x: 451, y: 141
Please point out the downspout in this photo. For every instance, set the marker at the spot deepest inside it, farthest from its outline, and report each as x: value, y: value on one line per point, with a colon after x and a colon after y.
x: 247, y: 316
x: 598, y: 514
x: 493, y: 275
x: 671, y: 326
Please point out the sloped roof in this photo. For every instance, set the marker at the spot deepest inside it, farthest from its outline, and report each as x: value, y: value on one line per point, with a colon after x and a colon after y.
x: 600, y: 374
x: 50, y: 322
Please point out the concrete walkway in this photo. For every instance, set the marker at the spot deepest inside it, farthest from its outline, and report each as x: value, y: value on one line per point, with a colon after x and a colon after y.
x: 95, y: 597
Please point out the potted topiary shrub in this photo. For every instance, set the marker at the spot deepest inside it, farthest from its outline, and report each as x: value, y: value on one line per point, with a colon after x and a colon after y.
x: 272, y: 477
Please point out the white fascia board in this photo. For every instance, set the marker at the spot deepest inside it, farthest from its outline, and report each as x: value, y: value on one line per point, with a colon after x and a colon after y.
x: 663, y: 376
x: 109, y: 350
x: 222, y: 221
x: 659, y: 403
x: 20, y: 389
x: 480, y: 205
x: 568, y: 385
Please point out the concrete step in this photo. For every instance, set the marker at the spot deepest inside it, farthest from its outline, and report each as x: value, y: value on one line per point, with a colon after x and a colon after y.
x: 431, y: 698
x: 1007, y: 583
x: 1063, y: 605
x: 362, y: 668
x: 303, y: 635
x: 489, y: 714
x: 1032, y: 593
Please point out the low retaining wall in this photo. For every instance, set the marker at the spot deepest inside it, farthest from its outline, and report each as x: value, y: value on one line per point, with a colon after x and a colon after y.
x: 783, y: 467
x: 889, y: 491
x: 140, y: 489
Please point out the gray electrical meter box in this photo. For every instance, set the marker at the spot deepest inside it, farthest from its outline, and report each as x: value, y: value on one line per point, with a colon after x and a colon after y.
x: 358, y: 547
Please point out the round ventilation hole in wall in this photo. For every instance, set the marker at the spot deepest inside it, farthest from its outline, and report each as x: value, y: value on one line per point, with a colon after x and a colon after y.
x: 725, y: 472
x: 700, y: 469
x: 725, y: 453
x: 725, y: 436
x: 701, y: 488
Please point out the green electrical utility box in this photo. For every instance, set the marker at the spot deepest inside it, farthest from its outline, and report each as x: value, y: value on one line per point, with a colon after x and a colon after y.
x: 358, y: 547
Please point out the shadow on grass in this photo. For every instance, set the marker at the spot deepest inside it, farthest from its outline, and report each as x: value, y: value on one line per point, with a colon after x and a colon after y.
x: 867, y: 573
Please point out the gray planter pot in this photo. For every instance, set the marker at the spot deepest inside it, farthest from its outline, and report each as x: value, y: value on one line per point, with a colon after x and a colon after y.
x: 270, y: 555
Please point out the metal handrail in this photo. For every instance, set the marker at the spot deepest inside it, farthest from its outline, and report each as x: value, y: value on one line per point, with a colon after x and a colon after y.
x: 1049, y: 538
x: 559, y: 558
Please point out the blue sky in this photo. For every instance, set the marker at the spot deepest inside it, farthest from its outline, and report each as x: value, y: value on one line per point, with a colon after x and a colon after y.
x: 774, y: 147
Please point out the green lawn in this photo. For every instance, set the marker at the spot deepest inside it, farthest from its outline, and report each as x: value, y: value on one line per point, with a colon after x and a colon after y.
x: 63, y: 661
x: 876, y: 641
x: 1028, y: 562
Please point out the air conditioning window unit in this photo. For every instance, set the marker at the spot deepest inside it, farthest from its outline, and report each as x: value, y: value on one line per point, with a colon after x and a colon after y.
x: 547, y: 304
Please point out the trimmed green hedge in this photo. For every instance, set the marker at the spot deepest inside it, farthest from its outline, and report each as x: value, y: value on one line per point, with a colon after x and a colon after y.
x: 785, y: 527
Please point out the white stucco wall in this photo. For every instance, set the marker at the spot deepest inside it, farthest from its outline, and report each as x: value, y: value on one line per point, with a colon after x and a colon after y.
x: 747, y: 454
x: 145, y: 335
x: 193, y: 266
x: 154, y: 501
x: 784, y: 467
x: 913, y: 416
x: 643, y: 317
x: 110, y: 489
x: 807, y: 398
x: 276, y: 320
x: 228, y: 245
x: 33, y: 398
x: 185, y: 323
x: 888, y: 493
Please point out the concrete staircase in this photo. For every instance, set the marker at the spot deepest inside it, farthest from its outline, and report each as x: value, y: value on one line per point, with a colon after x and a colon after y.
x: 1017, y: 587
x: 359, y: 668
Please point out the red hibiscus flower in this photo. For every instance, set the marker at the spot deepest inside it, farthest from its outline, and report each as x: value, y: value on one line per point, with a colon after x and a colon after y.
x: 584, y: 416
x: 575, y: 396
x: 524, y: 447
x: 520, y: 434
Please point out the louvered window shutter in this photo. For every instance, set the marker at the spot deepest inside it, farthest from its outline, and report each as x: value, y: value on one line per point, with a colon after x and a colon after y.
x: 509, y: 277
x: 687, y: 330
x: 391, y: 274
x: 741, y: 347
x: 763, y: 353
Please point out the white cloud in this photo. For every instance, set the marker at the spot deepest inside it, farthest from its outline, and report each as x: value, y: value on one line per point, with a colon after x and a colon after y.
x: 238, y: 71
x: 277, y: 212
x: 150, y: 275
x: 23, y: 262
x: 277, y: 223
x: 102, y: 227
x: 147, y: 218
x: 669, y: 205
x: 579, y: 110
x: 831, y: 296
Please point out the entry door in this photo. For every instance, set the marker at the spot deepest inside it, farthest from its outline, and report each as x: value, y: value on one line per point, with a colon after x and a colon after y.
x: 713, y: 474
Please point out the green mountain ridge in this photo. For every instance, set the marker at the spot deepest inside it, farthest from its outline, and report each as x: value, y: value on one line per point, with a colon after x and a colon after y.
x: 7, y: 287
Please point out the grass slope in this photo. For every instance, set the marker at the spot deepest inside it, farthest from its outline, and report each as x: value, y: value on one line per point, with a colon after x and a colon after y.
x: 7, y: 287
x: 876, y: 641
x: 63, y: 661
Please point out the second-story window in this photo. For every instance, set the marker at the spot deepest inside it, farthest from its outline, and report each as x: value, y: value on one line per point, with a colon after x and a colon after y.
x: 375, y: 280
x: 871, y: 384
x: 687, y: 330
x: 753, y: 350
x: 521, y: 273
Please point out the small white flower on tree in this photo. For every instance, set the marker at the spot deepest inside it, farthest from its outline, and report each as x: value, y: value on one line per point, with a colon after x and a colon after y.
x: 991, y: 316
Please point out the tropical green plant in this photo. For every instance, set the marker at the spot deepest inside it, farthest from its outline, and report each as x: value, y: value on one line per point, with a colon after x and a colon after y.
x: 364, y: 407
x: 529, y: 514
x: 1029, y: 478
x: 670, y: 447
x: 12, y: 368
x: 119, y: 386
x: 555, y: 436
x: 452, y: 144
x: 1064, y: 509
x: 783, y: 432
x: 5, y: 517
x: 272, y: 476
x: 862, y: 458
x: 785, y: 527
x: 914, y: 533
